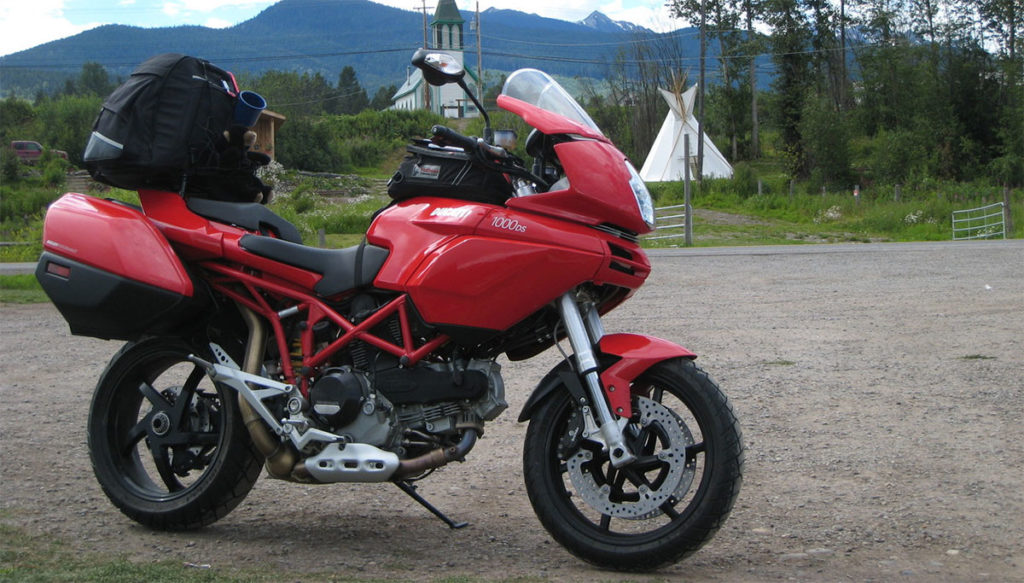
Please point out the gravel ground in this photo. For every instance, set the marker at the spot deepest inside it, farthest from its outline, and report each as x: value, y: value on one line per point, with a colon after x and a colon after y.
x: 880, y: 388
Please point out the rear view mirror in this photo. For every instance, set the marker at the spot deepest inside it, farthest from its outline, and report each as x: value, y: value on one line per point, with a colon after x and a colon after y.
x: 438, y: 68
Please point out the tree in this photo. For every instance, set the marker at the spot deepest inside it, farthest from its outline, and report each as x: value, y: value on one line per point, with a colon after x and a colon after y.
x: 15, y: 115
x: 351, y: 97
x: 305, y: 145
x: 382, y: 98
x: 752, y: 47
x: 1003, y: 20
x: 292, y: 94
x: 826, y: 54
x: 93, y: 80
x: 826, y: 139
x: 65, y: 123
x: 738, y: 50
x: 790, y: 40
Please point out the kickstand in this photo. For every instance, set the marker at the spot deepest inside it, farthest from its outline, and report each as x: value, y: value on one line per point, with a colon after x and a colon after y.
x: 410, y: 489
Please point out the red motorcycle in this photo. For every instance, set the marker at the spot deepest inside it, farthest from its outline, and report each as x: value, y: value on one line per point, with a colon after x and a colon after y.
x: 377, y: 363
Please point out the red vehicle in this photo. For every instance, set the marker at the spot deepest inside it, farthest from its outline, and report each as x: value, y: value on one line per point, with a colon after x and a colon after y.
x: 30, y: 152
x: 377, y: 363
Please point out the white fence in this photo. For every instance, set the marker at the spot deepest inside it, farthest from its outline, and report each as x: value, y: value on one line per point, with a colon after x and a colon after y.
x: 987, y: 222
x: 670, y: 221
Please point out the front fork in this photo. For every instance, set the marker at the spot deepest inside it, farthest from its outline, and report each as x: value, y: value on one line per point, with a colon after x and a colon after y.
x: 584, y: 333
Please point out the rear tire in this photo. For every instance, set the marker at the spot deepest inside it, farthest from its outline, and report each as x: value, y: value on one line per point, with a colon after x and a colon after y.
x: 168, y: 446
x: 657, y: 511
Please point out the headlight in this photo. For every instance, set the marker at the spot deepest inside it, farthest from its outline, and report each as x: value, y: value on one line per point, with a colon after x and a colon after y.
x: 643, y: 196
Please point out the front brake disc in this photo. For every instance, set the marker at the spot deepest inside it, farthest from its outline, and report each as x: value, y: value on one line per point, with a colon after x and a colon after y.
x: 590, y: 472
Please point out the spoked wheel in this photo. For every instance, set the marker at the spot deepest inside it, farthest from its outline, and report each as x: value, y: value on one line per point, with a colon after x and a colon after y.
x: 660, y: 508
x: 168, y: 445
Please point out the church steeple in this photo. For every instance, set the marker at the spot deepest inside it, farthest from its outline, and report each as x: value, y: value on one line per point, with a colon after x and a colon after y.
x: 446, y: 27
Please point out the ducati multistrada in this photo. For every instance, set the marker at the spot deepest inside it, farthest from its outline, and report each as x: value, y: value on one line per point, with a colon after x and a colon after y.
x: 377, y: 363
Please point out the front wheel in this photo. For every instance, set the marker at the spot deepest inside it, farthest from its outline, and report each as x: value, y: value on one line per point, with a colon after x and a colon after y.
x: 660, y: 508
x: 168, y: 446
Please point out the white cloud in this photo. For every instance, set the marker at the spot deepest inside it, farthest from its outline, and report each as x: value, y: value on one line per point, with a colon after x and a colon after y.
x: 212, y: 5
x: 217, y: 23
x: 655, y: 17
x: 650, y: 13
x: 27, y: 24
x: 171, y: 9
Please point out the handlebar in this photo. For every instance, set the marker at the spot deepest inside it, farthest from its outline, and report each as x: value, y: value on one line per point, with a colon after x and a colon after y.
x: 454, y: 138
x: 508, y: 163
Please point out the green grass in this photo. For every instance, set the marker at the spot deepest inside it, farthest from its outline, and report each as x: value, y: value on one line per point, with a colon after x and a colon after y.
x: 21, y: 289
x: 31, y: 558
x: 27, y: 558
x: 773, y: 217
x: 807, y: 217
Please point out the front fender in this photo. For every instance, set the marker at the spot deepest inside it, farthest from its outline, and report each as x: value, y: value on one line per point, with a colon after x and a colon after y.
x: 636, y: 353
x: 623, y: 358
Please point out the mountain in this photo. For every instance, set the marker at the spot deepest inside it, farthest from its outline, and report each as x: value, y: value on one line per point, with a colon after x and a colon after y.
x: 598, y: 21
x: 314, y: 37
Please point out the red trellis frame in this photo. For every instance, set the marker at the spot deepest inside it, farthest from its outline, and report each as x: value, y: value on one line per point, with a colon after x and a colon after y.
x: 317, y: 311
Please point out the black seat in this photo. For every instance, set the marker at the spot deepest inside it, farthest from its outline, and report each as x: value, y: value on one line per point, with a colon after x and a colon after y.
x: 342, y: 269
x: 250, y: 216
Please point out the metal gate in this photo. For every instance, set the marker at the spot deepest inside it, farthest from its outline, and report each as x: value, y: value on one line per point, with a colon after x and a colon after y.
x: 987, y: 222
x: 674, y: 218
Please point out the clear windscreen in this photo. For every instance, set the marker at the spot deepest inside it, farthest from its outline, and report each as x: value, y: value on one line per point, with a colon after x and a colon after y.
x: 539, y: 89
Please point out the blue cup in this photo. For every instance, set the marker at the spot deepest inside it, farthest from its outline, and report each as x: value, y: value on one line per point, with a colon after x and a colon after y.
x: 248, y: 108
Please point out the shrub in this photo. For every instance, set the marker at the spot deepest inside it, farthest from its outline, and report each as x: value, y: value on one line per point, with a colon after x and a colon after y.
x: 54, y: 170
x: 10, y: 166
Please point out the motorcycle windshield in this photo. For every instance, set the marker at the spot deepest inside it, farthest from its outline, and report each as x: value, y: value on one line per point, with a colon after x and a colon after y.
x: 538, y: 89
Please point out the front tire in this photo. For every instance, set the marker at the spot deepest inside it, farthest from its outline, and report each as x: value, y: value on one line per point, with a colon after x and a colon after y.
x: 168, y: 445
x: 658, y: 510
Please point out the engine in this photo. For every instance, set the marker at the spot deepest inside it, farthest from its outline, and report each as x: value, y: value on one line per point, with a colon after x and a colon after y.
x: 408, y: 410
x: 391, y: 419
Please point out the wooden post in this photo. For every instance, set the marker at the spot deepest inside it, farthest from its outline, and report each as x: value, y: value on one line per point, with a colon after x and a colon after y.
x: 687, y: 207
x: 321, y: 237
x: 1007, y: 216
x: 760, y: 190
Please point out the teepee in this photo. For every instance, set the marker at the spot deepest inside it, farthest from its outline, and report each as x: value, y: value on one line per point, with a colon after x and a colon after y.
x: 665, y: 161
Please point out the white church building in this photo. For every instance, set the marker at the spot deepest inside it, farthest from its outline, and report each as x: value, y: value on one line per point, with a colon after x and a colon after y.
x: 446, y: 34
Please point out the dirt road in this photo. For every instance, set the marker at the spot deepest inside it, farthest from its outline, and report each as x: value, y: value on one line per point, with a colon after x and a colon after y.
x: 880, y: 388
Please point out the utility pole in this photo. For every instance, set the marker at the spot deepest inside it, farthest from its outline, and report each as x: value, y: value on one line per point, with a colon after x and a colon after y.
x: 842, y: 55
x: 700, y: 94
x: 426, y: 45
x: 687, y: 195
x: 479, y: 59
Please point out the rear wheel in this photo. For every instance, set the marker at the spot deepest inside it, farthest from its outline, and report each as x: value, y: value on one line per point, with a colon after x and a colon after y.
x: 662, y: 507
x: 167, y: 444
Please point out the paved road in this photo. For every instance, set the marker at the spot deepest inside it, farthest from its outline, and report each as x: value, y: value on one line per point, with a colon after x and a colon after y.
x: 830, y: 248
x: 17, y: 268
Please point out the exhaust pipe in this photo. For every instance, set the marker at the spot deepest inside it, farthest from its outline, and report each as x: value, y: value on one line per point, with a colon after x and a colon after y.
x: 280, y: 458
x: 435, y: 458
x: 282, y: 461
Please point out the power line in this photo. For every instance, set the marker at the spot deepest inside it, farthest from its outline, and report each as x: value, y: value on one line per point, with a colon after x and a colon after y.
x: 294, y: 56
x: 522, y: 56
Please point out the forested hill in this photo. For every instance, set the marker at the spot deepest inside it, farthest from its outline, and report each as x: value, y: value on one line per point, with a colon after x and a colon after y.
x: 311, y: 36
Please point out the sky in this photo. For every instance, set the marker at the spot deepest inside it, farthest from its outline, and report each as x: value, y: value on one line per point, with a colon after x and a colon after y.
x: 28, y: 23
